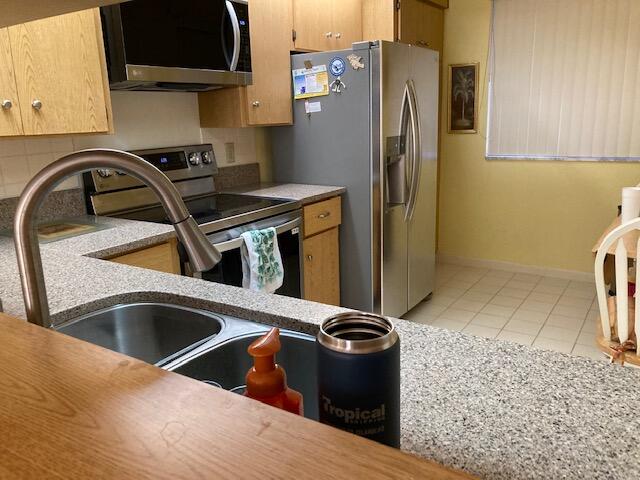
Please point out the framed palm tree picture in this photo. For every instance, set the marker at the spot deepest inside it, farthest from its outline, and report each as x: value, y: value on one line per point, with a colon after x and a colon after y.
x: 463, y: 93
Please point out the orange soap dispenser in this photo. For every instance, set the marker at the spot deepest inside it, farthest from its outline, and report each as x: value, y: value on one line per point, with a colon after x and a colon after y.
x: 266, y: 380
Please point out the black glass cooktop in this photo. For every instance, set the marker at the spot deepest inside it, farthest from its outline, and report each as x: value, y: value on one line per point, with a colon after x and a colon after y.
x: 210, y: 208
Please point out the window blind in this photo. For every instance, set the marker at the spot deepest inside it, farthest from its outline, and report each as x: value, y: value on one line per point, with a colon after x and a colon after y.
x: 565, y: 80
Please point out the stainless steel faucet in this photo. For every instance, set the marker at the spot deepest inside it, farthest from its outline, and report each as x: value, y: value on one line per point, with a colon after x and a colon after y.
x: 202, y: 254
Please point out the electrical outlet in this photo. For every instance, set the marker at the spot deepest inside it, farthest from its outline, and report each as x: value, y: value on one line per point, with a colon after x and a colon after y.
x: 230, y: 152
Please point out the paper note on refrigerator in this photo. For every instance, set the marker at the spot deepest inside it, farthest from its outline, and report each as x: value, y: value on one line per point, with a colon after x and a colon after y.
x: 312, y: 107
x: 310, y: 82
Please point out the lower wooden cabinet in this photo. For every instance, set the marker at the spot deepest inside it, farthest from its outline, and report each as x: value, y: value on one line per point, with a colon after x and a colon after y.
x: 322, y: 267
x: 321, y: 250
x: 322, y: 216
x: 162, y: 258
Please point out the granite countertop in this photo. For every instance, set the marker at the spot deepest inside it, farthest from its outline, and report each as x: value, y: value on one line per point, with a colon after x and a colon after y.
x: 123, y: 236
x: 295, y: 191
x: 117, y: 236
x: 493, y: 408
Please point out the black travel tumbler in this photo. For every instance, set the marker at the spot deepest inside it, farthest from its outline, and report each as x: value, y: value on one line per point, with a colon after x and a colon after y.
x: 359, y: 376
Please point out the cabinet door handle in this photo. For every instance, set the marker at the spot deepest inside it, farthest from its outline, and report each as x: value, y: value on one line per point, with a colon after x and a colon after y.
x: 6, y: 104
x: 36, y: 104
x: 256, y: 103
x: 328, y: 34
x: 324, y: 214
x: 309, y: 257
x: 338, y: 35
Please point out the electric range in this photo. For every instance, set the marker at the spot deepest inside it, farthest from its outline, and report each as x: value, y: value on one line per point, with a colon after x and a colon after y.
x: 218, y: 211
x: 222, y: 216
x: 191, y: 169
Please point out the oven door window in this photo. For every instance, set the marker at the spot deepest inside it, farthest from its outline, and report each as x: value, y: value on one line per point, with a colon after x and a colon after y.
x: 229, y: 270
x: 168, y: 33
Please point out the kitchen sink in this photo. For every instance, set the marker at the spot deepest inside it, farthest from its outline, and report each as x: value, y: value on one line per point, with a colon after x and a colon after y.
x: 152, y: 332
x: 198, y: 344
x: 226, y: 364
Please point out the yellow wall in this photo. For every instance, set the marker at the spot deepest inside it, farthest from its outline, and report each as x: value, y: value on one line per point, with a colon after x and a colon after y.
x: 529, y: 212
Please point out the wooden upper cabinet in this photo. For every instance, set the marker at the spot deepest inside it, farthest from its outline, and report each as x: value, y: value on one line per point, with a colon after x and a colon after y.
x: 313, y: 24
x: 378, y: 20
x: 347, y: 23
x: 417, y: 22
x: 269, y: 97
x: 410, y: 19
x: 60, y: 73
x: 326, y: 24
x: 421, y: 23
x: 20, y: 11
x: 318, y: 25
x: 10, y: 119
x: 268, y: 100
x: 433, y: 28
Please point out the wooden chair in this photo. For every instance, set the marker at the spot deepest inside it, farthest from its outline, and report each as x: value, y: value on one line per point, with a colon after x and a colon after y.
x: 616, y: 348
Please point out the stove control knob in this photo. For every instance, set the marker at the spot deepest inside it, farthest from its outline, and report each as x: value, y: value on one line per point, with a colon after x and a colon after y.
x: 105, y: 172
x: 207, y: 157
x: 194, y: 158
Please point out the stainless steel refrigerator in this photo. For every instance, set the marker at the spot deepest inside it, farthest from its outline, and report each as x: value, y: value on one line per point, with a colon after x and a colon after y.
x: 376, y: 133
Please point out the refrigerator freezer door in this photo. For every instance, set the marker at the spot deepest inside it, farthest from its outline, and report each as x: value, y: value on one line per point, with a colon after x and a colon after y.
x: 395, y: 60
x: 421, y: 228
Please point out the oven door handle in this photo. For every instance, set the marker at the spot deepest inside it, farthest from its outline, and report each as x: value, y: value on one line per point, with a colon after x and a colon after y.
x: 237, y: 242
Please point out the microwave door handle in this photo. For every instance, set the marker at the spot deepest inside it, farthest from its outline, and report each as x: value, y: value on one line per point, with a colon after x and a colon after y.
x: 233, y: 65
x: 237, y: 242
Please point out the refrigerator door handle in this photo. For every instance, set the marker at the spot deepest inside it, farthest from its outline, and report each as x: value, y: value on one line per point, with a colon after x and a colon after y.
x: 416, y: 150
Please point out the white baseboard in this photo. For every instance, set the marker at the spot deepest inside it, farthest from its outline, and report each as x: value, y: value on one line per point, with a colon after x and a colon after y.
x: 516, y: 267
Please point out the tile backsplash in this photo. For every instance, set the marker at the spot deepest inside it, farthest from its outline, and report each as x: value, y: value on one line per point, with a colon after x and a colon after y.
x: 141, y: 120
x: 20, y: 159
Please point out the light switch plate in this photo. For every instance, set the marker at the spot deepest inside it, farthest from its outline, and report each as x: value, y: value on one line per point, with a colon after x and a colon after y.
x: 230, y: 152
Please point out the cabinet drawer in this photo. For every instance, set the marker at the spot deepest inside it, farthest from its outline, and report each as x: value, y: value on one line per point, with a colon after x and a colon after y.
x: 162, y: 258
x: 322, y: 216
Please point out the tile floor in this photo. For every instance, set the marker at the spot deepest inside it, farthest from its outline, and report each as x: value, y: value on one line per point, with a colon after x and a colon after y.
x: 545, y: 312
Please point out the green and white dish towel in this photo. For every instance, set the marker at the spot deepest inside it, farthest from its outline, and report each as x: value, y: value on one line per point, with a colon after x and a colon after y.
x: 261, y: 261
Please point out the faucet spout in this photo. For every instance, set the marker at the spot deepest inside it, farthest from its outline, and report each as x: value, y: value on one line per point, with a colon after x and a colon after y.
x: 202, y: 254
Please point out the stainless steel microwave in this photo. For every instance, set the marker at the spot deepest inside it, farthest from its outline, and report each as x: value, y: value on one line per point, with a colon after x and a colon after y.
x: 186, y: 45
